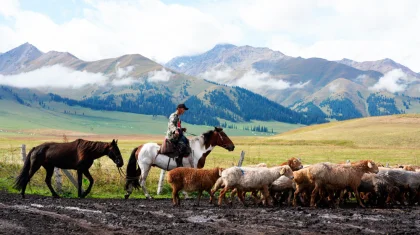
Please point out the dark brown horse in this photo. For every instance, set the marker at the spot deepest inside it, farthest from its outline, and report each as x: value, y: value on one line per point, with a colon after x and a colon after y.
x: 78, y: 155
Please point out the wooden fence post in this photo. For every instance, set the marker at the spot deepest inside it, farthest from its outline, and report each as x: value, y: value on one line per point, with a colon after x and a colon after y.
x: 23, y: 152
x: 72, y: 180
x: 160, y: 184
x: 58, y: 179
x: 241, y: 159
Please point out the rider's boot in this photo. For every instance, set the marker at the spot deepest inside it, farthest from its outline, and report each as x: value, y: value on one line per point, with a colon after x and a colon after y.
x: 179, y: 160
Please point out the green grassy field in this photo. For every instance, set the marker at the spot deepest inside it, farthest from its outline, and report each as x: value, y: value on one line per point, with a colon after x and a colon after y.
x: 389, y: 139
x: 23, y: 120
x: 32, y: 126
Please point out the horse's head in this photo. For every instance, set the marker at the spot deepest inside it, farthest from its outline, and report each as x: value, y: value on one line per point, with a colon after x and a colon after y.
x: 218, y: 137
x: 114, y: 153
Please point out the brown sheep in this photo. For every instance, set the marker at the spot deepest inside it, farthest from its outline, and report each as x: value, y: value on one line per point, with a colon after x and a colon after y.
x: 294, y: 163
x: 192, y: 180
x: 302, y: 182
x: 408, y: 167
x: 340, y: 176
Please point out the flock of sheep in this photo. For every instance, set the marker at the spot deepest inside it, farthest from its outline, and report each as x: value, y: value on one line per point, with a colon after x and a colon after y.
x: 326, y: 184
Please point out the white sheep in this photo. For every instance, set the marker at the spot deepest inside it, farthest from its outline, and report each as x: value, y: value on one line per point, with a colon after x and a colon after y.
x: 282, y: 184
x: 406, y: 181
x: 248, y: 179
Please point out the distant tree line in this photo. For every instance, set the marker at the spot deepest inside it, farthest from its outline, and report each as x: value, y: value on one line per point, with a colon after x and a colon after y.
x: 341, y: 109
x: 311, y: 109
x: 229, y: 126
x: 258, y: 128
x: 238, y: 105
x: 379, y: 105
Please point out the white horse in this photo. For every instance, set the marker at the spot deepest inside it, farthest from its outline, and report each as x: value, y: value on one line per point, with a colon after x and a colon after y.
x: 145, y: 156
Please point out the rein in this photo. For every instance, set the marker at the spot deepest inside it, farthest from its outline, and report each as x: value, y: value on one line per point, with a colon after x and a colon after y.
x: 122, y: 174
x: 190, y: 133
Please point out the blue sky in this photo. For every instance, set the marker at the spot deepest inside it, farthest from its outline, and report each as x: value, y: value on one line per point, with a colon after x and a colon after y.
x: 161, y: 30
x: 60, y: 11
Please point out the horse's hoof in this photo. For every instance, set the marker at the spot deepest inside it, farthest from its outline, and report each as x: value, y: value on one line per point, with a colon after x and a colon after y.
x: 126, y: 197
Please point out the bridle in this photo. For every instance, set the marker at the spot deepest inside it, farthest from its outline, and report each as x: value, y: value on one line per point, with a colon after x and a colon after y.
x: 112, y: 155
x: 220, y: 139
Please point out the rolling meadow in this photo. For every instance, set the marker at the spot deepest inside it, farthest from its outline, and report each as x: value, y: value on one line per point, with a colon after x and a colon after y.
x: 387, y: 140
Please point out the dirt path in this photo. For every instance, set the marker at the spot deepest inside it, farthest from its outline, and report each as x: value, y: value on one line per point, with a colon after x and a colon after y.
x: 45, y: 215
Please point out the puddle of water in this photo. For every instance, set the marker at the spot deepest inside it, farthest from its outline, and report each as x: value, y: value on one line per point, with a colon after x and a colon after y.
x: 204, y: 219
x: 110, y: 213
x: 21, y: 207
x: 198, y: 219
x: 354, y: 217
x: 80, y: 210
x: 359, y: 227
x: 368, y: 217
x: 161, y: 213
x: 328, y: 216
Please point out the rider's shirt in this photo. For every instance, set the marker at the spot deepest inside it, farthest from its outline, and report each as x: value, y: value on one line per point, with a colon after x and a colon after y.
x: 173, y: 124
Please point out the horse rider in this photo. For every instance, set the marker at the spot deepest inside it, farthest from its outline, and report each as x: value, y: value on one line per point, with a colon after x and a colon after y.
x: 175, y: 134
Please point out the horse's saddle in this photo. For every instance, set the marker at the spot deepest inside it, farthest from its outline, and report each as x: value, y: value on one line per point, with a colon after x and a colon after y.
x: 168, y: 149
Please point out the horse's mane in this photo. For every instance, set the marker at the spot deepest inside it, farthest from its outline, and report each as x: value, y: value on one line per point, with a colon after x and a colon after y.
x: 91, y: 146
x: 206, y: 136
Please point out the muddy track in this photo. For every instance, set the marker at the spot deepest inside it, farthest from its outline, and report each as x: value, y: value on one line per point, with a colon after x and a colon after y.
x: 45, y: 215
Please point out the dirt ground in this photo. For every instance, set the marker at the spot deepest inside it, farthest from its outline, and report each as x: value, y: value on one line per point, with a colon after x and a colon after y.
x: 45, y: 215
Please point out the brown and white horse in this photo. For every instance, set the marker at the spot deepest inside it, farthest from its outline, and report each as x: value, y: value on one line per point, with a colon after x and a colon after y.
x: 145, y: 156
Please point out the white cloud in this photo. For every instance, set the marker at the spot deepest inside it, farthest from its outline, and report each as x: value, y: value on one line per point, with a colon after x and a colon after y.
x: 253, y: 80
x: 9, y: 7
x: 122, y: 72
x: 126, y: 81
x: 159, y: 76
x: 58, y: 76
x: 333, y: 87
x: 335, y: 29
x: 332, y: 29
x: 113, y: 28
x: 55, y: 76
x: 274, y: 15
x: 224, y: 76
x: 361, y: 78
x: 393, y: 81
x: 300, y: 84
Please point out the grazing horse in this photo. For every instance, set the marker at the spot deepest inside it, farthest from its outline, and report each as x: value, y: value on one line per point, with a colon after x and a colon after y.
x: 78, y: 155
x: 145, y: 156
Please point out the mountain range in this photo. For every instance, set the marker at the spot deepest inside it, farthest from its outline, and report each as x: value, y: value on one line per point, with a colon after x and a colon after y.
x: 130, y: 83
x: 339, y: 89
x: 228, y: 82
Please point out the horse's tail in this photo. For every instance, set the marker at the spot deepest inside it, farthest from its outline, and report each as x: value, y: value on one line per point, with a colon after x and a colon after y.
x: 133, y: 171
x: 23, y: 177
